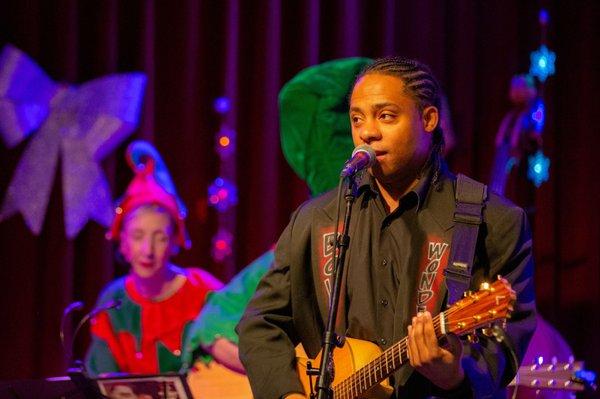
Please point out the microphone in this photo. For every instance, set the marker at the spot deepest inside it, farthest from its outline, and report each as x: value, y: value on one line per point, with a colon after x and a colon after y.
x: 70, y: 308
x: 362, y: 157
x: 112, y: 304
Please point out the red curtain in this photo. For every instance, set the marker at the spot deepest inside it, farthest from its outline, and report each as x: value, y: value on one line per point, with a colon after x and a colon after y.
x: 195, y: 51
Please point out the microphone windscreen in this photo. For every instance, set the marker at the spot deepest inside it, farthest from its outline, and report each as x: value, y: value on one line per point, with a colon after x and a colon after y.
x: 366, y: 149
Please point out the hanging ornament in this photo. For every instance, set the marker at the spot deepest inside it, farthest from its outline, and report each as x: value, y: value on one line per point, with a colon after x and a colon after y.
x: 538, y: 115
x: 223, y: 192
x: 542, y: 63
x: 538, y: 169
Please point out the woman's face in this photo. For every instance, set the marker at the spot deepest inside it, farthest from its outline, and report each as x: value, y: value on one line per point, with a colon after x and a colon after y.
x: 147, y: 241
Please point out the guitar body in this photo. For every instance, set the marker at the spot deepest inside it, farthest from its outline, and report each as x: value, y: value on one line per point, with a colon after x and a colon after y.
x: 348, y: 359
x: 215, y: 381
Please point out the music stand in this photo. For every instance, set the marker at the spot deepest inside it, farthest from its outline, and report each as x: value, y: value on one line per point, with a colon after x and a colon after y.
x: 158, y: 386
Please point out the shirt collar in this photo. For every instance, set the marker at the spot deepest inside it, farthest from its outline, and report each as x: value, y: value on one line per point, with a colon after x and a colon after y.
x: 366, y: 183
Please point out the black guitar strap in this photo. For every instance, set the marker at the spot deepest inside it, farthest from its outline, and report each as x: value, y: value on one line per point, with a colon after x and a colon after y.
x: 470, y: 198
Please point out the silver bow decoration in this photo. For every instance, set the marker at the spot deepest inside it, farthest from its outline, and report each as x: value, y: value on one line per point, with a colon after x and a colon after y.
x: 81, y: 124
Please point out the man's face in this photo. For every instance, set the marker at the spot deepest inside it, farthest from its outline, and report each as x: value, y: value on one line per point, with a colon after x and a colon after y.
x: 383, y: 116
x: 147, y: 241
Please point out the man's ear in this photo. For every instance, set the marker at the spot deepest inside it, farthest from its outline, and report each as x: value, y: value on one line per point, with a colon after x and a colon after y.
x: 431, y: 118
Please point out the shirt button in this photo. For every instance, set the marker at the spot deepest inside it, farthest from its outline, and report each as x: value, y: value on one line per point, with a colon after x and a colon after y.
x: 384, y: 262
x: 383, y: 341
x: 384, y: 302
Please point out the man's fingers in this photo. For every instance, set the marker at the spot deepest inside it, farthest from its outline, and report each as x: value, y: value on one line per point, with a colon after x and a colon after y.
x: 420, y: 345
x: 429, y: 334
x: 413, y: 351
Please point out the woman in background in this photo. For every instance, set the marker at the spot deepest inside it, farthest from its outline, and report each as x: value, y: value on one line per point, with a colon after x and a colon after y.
x: 158, y: 300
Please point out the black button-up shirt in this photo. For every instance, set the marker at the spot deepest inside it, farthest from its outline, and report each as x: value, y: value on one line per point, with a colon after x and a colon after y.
x: 386, y: 256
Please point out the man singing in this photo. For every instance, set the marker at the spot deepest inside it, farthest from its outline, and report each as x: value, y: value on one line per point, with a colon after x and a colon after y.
x: 400, y: 239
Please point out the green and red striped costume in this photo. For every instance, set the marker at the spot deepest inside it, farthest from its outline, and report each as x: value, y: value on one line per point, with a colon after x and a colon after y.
x: 145, y: 336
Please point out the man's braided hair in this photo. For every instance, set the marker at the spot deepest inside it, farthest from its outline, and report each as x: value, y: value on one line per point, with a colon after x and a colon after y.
x: 422, y: 86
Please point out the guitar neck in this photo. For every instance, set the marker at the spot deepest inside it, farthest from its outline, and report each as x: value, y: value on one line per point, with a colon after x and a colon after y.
x: 383, y: 366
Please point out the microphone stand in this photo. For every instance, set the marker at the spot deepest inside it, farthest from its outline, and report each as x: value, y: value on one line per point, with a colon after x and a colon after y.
x: 76, y: 369
x: 68, y: 351
x: 331, y: 338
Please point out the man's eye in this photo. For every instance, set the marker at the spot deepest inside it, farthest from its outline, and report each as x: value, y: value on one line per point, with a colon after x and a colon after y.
x: 355, y: 119
x: 387, y: 117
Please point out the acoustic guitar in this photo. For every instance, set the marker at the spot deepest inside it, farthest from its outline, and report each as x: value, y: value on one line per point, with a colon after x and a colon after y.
x: 362, y: 369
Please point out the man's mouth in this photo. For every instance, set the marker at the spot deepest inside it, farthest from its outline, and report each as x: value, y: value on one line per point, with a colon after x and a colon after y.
x: 379, y: 155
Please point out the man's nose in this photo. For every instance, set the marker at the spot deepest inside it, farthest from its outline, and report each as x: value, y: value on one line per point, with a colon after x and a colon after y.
x: 369, y: 132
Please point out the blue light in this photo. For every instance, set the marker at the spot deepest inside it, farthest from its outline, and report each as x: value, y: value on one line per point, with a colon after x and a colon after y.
x: 543, y: 17
x: 542, y: 63
x: 222, y: 105
x: 586, y: 375
x: 538, y: 170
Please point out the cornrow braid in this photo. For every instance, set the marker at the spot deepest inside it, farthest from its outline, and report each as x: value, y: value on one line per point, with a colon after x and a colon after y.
x: 422, y: 86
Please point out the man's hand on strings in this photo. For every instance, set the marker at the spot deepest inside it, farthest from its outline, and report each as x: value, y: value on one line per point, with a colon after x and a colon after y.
x: 440, y: 365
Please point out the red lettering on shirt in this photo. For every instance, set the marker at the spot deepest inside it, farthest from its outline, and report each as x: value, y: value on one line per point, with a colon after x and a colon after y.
x: 435, y: 257
x: 326, y: 251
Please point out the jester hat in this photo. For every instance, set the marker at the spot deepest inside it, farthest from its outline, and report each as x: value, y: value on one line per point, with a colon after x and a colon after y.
x: 314, y: 122
x: 151, y: 185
